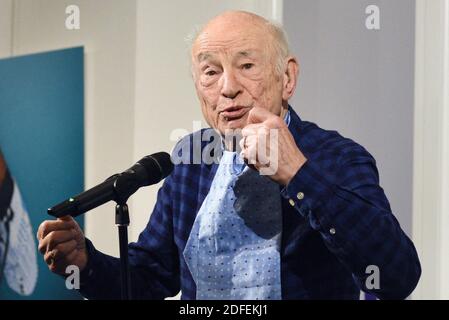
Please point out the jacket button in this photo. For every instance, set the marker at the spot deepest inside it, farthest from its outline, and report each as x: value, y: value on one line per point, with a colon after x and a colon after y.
x: 300, y: 196
x: 292, y: 203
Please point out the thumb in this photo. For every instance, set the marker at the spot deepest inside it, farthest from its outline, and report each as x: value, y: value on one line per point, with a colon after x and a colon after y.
x: 258, y: 115
x: 66, y: 218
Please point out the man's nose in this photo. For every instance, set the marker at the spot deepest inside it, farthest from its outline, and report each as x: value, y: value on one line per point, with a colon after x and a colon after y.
x: 231, y: 87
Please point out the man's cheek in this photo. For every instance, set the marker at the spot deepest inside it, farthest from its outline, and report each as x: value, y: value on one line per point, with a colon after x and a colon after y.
x: 211, y: 98
x: 259, y: 94
x: 272, y: 100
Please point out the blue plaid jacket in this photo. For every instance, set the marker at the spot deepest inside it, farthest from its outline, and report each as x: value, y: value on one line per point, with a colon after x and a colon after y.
x: 339, y: 226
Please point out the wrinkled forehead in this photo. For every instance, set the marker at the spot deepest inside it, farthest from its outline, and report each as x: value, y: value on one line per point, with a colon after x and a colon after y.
x: 248, y: 40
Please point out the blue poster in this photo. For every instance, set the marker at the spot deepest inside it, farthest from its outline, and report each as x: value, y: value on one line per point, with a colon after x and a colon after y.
x: 41, y: 162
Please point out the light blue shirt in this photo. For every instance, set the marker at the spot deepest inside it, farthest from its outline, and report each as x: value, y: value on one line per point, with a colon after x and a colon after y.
x: 233, y: 248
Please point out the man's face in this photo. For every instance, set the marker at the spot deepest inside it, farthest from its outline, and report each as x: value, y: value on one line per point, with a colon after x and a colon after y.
x: 234, y: 66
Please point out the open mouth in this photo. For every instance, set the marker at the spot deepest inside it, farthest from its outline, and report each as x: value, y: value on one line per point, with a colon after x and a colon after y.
x: 234, y: 113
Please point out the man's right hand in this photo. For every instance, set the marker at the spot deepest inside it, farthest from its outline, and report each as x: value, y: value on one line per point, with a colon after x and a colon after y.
x: 62, y: 243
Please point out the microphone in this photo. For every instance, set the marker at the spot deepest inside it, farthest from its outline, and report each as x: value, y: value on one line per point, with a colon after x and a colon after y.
x: 119, y: 187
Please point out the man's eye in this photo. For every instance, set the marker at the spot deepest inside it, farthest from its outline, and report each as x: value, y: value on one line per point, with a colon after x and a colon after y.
x: 211, y: 73
x: 247, y: 66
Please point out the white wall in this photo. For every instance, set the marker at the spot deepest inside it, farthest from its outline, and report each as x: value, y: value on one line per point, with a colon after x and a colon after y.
x: 431, y: 170
x: 5, y: 28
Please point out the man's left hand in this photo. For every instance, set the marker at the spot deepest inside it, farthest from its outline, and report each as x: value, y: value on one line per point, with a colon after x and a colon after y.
x: 268, y: 145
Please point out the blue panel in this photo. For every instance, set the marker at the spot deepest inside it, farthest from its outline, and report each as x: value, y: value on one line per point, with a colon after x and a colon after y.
x: 42, y: 140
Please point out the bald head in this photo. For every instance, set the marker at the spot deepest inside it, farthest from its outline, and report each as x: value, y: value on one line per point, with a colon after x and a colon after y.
x: 237, y: 24
x: 230, y: 21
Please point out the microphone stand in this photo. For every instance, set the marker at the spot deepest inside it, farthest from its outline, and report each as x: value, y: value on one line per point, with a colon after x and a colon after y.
x: 122, y: 222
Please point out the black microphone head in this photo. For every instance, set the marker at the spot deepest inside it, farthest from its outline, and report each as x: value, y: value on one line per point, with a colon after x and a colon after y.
x: 147, y: 171
x: 158, y: 166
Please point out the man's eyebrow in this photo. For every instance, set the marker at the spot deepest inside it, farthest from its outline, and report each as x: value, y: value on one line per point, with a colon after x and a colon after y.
x: 208, y: 55
x: 245, y: 53
x: 203, y: 56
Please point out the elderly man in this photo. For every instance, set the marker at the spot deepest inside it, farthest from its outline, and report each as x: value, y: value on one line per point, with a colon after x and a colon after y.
x: 318, y: 226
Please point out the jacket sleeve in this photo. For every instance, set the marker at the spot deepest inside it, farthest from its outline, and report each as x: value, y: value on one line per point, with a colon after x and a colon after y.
x: 351, y: 212
x: 153, y: 260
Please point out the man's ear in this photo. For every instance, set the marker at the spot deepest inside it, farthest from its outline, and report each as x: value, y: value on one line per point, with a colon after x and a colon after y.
x: 290, y: 78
